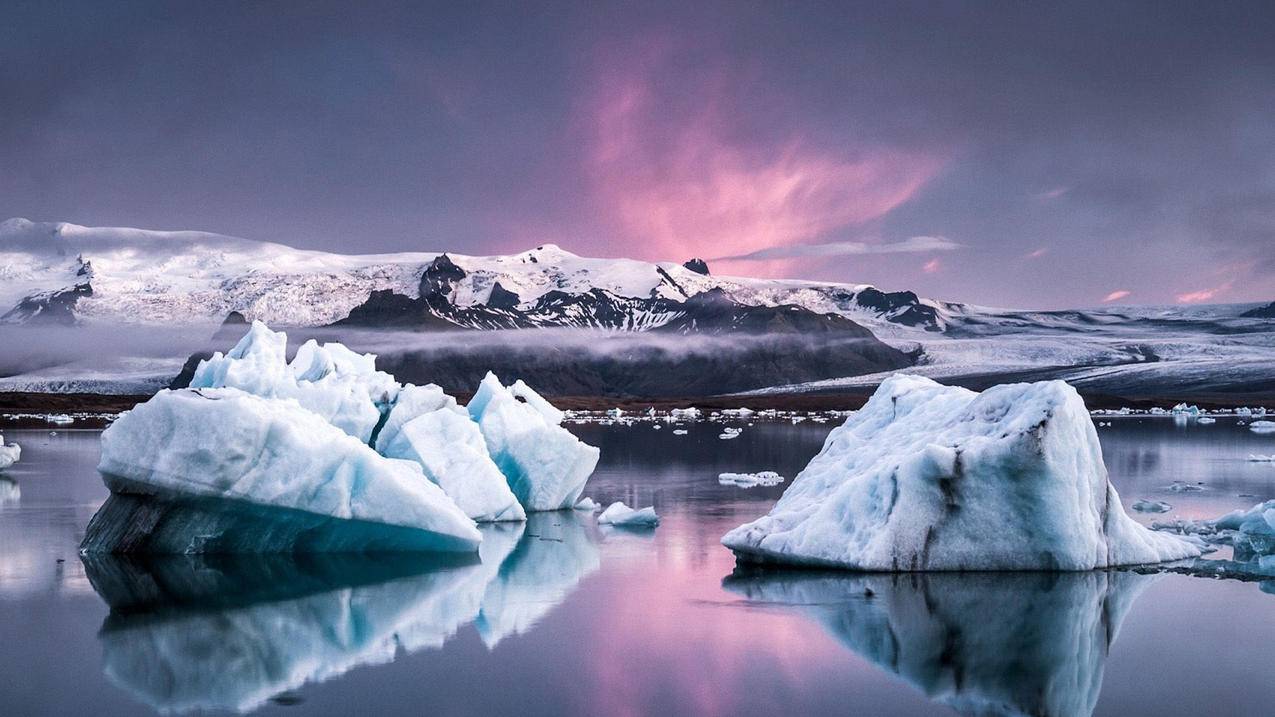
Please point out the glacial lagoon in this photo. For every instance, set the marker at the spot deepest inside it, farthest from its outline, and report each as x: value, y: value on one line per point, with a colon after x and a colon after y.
x: 563, y: 617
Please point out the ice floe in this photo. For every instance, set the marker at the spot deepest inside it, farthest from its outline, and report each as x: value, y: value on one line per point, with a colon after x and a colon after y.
x: 1262, y: 426
x: 749, y: 480
x: 621, y: 515
x: 1152, y: 506
x: 933, y: 477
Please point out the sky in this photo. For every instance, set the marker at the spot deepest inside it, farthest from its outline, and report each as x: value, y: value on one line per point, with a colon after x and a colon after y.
x: 1007, y: 154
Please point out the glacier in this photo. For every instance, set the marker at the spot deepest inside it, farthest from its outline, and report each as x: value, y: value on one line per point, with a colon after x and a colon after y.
x: 10, y: 453
x: 545, y: 465
x: 327, y: 453
x: 927, y: 477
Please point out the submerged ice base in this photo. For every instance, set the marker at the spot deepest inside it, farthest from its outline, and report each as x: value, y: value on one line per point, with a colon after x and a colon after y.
x: 932, y: 477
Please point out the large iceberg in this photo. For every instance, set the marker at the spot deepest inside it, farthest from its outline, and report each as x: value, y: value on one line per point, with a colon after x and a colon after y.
x: 327, y: 453
x: 545, y: 465
x: 933, y: 477
x: 9, y: 453
x: 428, y: 427
x: 221, y: 470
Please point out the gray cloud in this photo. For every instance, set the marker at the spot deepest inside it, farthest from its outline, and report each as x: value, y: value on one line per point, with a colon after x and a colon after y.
x: 911, y: 245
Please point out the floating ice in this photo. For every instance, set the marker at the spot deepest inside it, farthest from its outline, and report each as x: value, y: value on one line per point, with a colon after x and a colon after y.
x: 933, y: 477
x: 341, y: 386
x: 729, y: 433
x: 9, y: 453
x: 428, y: 427
x: 621, y: 515
x: 748, y: 480
x: 1152, y: 506
x: 679, y: 431
x: 588, y: 504
x: 61, y: 419
x: 1178, y: 486
x: 545, y: 465
x: 222, y: 470
x: 1260, y: 458
x: 1262, y: 426
x: 1205, y: 421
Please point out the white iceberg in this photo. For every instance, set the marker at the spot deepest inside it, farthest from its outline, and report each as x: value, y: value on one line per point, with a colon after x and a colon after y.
x: 341, y: 386
x: 933, y: 477
x: 1261, y: 458
x: 621, y: 515
x: 587, y: 504
x: 545, y: 465
x: 749, y: 480
x: 9, y: 453
x: 222, y: 470
x: 428, y: 427
x: 1262, y: 426
x: 1152, y: 506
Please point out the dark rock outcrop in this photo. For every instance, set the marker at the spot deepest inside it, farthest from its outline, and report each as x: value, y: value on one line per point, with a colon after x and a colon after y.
x: 1261, y: 312
x: 697, y: 265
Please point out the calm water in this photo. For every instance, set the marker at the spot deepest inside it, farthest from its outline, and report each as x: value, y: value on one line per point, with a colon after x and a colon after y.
x: 564, y: 618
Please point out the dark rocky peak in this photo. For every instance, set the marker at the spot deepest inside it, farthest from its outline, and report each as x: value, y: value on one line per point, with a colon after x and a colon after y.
x: 502, y: 298
x: 1261, y: 312
x: 232, y: 327
x: 49, y: 307
x: 438, y: 277
x: 697, y: 265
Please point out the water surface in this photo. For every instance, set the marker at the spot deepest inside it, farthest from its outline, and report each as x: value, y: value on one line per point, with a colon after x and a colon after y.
x: 561, y: 617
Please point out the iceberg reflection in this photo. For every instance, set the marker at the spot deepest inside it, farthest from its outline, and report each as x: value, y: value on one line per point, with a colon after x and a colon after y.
x: 231, y: 632
x: 981, y: 643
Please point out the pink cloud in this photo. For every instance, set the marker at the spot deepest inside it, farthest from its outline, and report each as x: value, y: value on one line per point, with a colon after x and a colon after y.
x: 1036, y: 254
x: 1116, y: 295
x: 1202, y: 295
x: 931, y: 266
x: 675, y: 179
x: 1054, y: 193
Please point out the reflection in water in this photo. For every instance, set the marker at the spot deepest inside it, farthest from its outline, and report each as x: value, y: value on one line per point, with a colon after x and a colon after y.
x: 981, y: 643
x: 193, y: 633
x: 10, y: 493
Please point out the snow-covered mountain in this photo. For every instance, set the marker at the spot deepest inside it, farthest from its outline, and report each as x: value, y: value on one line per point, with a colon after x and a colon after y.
x: 65, y: 273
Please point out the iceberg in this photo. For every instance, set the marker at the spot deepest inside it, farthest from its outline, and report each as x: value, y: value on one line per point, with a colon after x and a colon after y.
x: 1152, y: 506
x: 9, y: 453
x: 622, y: 516
x: 224, y: 471
x: 428, y: 427
x: 545, y: 466
x: 341, y: 386
x: 1262, y: 426
x: 981, y: 644
x: 749, y: 480
x: 931, y: 477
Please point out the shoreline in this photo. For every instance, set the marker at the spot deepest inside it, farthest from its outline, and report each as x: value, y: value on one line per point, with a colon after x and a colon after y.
x: 24, y: 402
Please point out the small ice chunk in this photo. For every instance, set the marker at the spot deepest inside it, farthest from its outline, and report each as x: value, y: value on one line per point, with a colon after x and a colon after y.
x: 588, y: 504
x: 1262, y: 426
x: 621, y: 515
x: 679, y: 431
x: 729, y: 433
x: 1205, y: 421
x: 1261, y: 458
x: 748, y: 480
x: 545, y: 465
x: 1178, y: 486
x: 1152, y: 506
x: 9, y: 453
